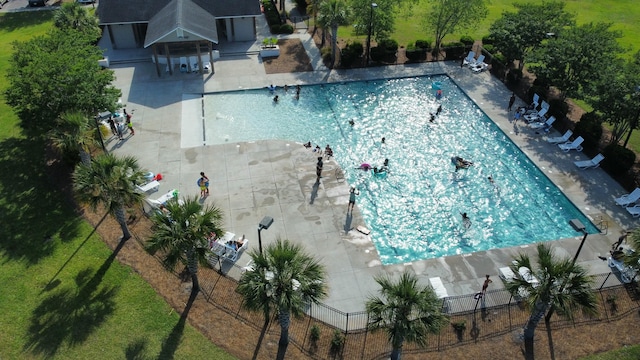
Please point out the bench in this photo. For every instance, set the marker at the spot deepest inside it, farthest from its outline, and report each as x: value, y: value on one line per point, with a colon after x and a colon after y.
x: 150, y: 186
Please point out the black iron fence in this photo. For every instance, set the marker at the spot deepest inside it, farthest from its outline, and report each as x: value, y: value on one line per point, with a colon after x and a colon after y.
x: 496, y: 313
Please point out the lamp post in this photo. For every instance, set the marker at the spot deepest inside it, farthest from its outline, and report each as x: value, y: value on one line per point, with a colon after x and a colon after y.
x: 577, y: 225
x: 264, y: 224
x: 373, y: 6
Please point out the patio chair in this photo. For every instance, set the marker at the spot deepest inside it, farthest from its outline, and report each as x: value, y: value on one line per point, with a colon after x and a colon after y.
x: 536, y: 100
x: 184, y: 65
x: 574, y: 145
x: 588, y: 164
x: 478, y: 61
x: 634, y: 210
x: 193, y: 60
x: 560, y: 139
x: 479, y: 67
x: 629, y: 199
x: 527, y: 276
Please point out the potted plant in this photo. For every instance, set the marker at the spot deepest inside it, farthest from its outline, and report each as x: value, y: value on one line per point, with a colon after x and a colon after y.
x: 269, y: 48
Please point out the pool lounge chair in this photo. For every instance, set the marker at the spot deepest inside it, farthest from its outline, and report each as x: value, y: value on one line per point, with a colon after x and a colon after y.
x: 629, y: 199
x: 546, y: 126
x: 574, y: 145
x: 193, y: 60
x: 184, y: 65
x: 150, y: 186
x: 527, y: 276
x: 560, y: 139
x: 479, y: 66
x: 470, y: 59
x: 587, y: 164
x: 634, y: 210
x: 478, y: 61
x: 438, y: 287
x: 506, y: 274
x: 536, y: 100
x: 536, y: 116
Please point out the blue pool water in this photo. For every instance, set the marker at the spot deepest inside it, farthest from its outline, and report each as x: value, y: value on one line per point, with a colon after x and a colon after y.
x: 414, y: 212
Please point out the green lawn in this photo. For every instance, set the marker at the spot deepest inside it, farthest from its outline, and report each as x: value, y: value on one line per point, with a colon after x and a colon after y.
x: 624, y: 14
x: 625, y: 353
x: 63, y: 295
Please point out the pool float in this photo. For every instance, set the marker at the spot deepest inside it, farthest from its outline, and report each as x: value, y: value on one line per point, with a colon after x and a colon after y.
x: 436, y: 85
x: 363, y: 230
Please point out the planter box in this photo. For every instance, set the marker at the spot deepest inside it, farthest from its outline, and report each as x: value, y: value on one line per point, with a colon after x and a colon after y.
x: 271, y: 51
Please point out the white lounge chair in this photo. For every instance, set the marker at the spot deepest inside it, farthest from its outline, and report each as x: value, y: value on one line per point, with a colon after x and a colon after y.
x: 193, y: 60
x: 506, y: 273
x: 206, y: 67
x: 574, y: 145
x: 629, y: 199
x: 150, y: 186
x: 470, y: 59
x: 544, y: 125
x: 438, y: 287
x: 536, y: 116
x: 536, y: 100
x: 561, y: 139
x: 634, y: 210
x: 527, y: 276
x: 479, y: 60
x: 587, y: 164
x: 479, y: 66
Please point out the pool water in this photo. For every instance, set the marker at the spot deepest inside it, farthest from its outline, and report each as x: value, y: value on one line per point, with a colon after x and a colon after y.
x: 414, y: 211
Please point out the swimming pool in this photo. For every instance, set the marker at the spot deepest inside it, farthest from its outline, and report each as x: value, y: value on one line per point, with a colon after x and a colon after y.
x: 414, y: 212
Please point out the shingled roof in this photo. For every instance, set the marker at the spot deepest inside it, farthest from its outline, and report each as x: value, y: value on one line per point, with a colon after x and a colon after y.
x: 142, y: 11
x: 180, y: 20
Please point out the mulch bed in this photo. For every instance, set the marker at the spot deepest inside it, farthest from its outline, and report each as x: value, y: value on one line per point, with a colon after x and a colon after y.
x: 293, y: 58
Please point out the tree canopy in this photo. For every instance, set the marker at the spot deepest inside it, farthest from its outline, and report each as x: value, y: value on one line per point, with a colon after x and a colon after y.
x: 448, y: 16
x: 577, y: 57
x: 516, y: 33
x: 51, y: 74
x: 381, y: 16
x: 74, y: 16
x: 333, y: 13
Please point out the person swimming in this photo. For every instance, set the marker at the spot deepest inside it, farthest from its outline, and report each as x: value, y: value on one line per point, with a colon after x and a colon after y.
x: 307, y: 144
x: 364, y: 166
x: 466, y: 221
x: 461, y: 163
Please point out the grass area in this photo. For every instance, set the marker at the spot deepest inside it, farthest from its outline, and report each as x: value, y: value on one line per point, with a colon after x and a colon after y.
x: 63, y: 294
x: 624, y: 15
x: 625, y: 353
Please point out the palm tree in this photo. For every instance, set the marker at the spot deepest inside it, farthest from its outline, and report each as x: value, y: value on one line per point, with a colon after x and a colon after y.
x: 333, y: 13
x: 562, y: 284
x: 406, y: 311
x: 73, y: 136
x: 72, y: 15
x: 284, y: 279
x: 180, y: 234
x: 109, y: 181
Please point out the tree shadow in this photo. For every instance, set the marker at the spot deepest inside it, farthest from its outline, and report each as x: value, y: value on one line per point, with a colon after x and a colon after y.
x: 136, y: 350
x: 30, y: 196
x: 347, y: 222
x: 265, y: 326
x: 71, y: 314
x: 550, y: 339
x: 171, y: 343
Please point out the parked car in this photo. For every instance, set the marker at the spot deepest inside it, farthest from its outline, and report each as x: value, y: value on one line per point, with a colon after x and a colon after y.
x: 37, y: 3
x: 85, y: 1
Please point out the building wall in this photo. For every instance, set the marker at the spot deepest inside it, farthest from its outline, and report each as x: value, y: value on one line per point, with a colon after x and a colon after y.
x: 244, y: 29
x: 123, y: 36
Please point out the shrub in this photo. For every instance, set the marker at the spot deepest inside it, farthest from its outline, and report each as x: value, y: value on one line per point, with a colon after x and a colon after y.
x: 467, y: 40
x: 350, y: 54
x: 314, y: 333
x: 590, y: 128
x: 487, y: 39
x: 454, y: 50
x: 286, y: 29
x: 275, y: 29
x: 514, y: 76
x: 489, y: 48
x: 618, y: 160
x: 385, y: 51
x: 499, y: 58
x: 558, y: 108
x: 415, y: 53
x: 423, y: 44
x: 336, y: 342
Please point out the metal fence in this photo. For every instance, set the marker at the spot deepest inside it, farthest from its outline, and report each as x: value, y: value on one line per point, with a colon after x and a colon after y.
x: 496, y: 313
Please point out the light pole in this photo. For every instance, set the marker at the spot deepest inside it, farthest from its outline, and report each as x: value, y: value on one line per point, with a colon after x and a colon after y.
x: 577, y: 225
x: 264, y: 224
x: 373, y: 6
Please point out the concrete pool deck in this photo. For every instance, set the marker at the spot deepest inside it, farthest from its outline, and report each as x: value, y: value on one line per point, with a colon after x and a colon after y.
x: 277, y: 178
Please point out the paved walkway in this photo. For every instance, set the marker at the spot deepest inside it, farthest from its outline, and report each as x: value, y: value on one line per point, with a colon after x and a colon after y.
x: 277, y: 178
